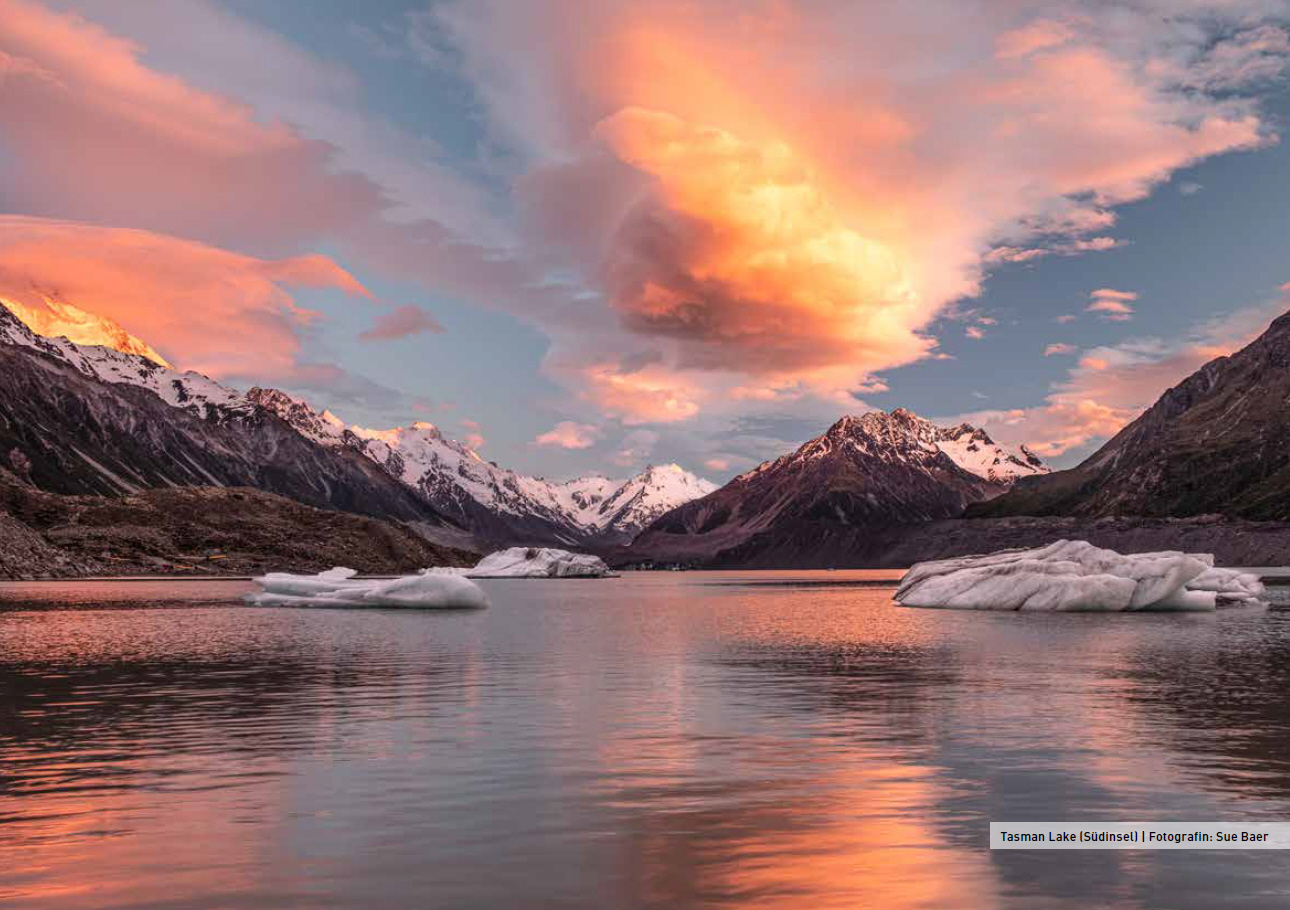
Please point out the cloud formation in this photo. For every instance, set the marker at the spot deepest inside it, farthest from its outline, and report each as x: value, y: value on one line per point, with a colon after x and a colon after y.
x: 1112, y: 304
x: 1112, y: 384
x: 791, y: 195
x: 203, y: 308
x: 570, y: 435
x: 400, y: 323
x: 91, y: 133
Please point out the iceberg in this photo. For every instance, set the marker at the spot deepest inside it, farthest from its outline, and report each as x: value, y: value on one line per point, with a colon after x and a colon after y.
x: 1072, y: 575
x: 535, y: 562
x: 339, y: 588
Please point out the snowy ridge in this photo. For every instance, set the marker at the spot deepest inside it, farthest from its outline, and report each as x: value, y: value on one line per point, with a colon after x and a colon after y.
x: 57, y: 319
x: 903, y: 436
x: 188, y: 390
x: 446, y: 474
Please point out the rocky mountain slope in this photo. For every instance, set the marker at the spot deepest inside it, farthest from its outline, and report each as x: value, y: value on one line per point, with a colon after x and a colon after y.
x: 498, y: 505
x: 865, y: 474
x: 1218, y: 442
x: 96, y: 419
x: 68, y: 432
x: 197, y: 530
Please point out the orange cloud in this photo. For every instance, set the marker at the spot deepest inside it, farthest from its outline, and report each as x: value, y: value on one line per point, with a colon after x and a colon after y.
x: 786, y: 195
x: 1059, y: 348
x: 646, y: 396
x: 205, y: 309
x: 1112, y: 385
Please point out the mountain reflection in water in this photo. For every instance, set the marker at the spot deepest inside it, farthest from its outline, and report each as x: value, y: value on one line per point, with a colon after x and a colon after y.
x: 659, y: 740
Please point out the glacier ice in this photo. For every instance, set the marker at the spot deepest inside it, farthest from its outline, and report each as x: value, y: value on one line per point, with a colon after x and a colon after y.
x: 339, y: 588
x: 1074, y: 575
x: 535, y: 562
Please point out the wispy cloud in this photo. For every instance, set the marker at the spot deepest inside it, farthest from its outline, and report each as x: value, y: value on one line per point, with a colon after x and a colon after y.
x: 1112, y: 304
x: 570, y: 435
x: 400, y: 323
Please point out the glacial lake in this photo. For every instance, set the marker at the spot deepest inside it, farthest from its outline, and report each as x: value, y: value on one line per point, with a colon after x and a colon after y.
x: 669, y: 740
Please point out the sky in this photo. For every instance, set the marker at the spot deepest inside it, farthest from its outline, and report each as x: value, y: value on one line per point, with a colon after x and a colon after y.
x: 587, y: 235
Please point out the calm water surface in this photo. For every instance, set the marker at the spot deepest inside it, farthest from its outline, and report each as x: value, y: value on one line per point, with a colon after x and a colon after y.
x: 660, y: 740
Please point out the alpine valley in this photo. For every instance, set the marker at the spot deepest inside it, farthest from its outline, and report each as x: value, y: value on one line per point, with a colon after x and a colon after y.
x: 113, y: 419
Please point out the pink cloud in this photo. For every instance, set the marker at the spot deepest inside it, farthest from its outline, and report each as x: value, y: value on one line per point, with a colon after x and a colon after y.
x: 717, y: 464
x: 974, y: 332
x: 203, y: 308
x: 1059, y: 348
x: 1112, y: 385
x: 94, y: 134
x: 1112, y: 304
x: 472, y: 436
x: 570, y: 435
x: 400, y: 323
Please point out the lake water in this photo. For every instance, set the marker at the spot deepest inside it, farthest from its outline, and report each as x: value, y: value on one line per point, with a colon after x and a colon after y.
x: 660, y: 740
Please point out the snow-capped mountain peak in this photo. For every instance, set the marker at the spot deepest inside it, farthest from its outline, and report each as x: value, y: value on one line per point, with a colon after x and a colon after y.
x: 901, y: 435
x: 497, y: 504
x: 58, y: 319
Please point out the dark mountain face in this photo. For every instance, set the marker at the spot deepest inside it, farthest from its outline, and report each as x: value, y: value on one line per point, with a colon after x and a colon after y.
x: 70, y: 433
x: 1219, y: 442
x: 197, y: 531
x: 814, y: 506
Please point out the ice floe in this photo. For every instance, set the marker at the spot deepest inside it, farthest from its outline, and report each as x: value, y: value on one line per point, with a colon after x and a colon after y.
x: 339, y: 588
x: 1074, y: 575
x: 535, y: 562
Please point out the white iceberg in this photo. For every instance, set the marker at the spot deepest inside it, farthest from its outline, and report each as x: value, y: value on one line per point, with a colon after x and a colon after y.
x: 1072, y: 575
x: 534, y: 562
x: 339, y: 588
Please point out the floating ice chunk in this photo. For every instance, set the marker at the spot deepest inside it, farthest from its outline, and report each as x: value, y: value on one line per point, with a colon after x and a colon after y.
x: 1230, y: 585
x: 339, y: 588
x: 539, y: 562
x: 1075, y: 575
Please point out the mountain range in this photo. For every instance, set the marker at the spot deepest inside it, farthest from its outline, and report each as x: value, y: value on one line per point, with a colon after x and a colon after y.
x: 821, y: 503
x: 1209, y: 461
x: 92, y: 419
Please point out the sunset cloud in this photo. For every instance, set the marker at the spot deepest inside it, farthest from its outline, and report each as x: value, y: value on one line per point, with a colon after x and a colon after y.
x: 1112, y: 304
x: 1058, y: 348
x: 799, y: 196
x: 203, y: 308
x: 1111, y: 385
x: 400, y: 323
x: 91, y: 133
x: 570, y: 435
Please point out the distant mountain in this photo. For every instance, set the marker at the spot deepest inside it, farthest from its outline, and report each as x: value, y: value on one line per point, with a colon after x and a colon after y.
x: 498, y: 505
x: 812, y: 507
x: 1218, y: 442
x: 646, y: 497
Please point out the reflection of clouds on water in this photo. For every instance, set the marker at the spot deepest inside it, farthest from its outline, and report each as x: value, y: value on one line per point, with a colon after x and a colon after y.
x: 1071, y: 737
x: 663, y: 741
